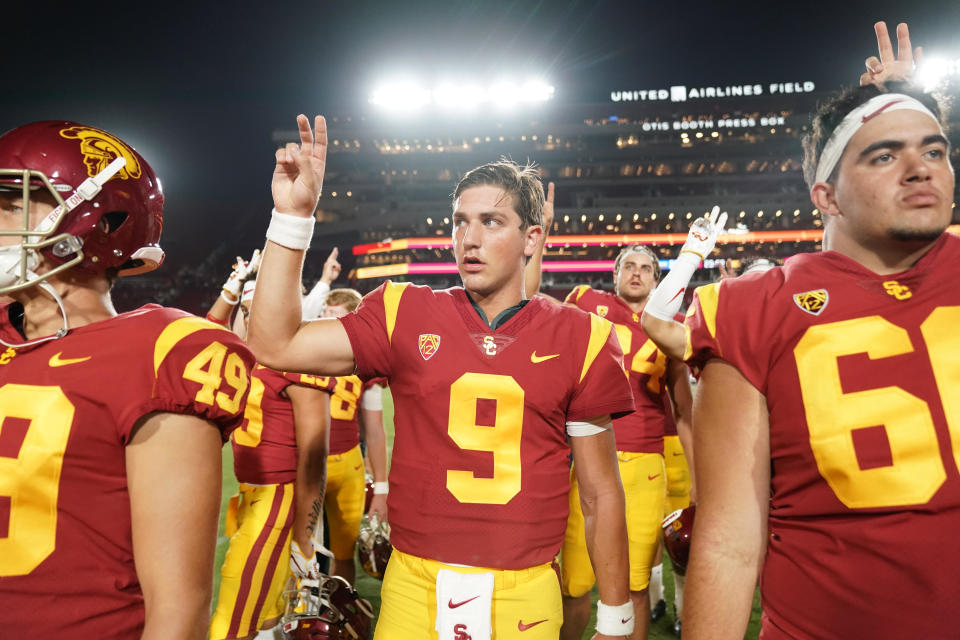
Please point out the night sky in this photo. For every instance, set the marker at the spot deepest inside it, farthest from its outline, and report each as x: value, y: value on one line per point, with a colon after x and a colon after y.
x: 199, y: 89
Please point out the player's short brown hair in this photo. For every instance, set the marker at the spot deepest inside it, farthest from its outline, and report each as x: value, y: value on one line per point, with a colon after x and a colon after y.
x: 638, y: 248
x: 520, y: 182
x: 349, y: 299
x: 831, y: 113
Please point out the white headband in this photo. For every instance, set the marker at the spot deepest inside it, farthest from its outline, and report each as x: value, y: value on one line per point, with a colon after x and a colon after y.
x: 870, y: 109
x: 248, y: 288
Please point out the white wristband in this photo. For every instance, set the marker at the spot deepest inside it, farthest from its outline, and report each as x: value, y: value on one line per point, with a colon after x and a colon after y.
x: 232, y: 303
x: 615, y: 620
x: 381, y: 488
x: 292, y: 232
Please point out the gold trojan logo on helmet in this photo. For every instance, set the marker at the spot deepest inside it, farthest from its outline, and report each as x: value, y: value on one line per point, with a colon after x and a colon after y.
x: 99, y: 149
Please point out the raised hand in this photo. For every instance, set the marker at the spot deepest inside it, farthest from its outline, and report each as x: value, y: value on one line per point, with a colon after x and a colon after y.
x: 242, y: 270
x: 254, y: 265
x: 298, y: 176
x: 704, y: 233
x: 331, y: 268
x: 888, y: 66
x: 548, y: 210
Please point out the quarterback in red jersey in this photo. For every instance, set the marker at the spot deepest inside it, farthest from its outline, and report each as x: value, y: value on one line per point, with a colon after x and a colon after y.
x: 279, y: 456
x: 834, y: 472
x: 661, y: 393
x: 110, y: 425
x: 486, y: 387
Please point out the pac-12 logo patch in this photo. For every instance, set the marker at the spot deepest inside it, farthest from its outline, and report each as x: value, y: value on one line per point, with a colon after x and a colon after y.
x: 429, y: 343
x: 813, y: 302
x: 602, y: 310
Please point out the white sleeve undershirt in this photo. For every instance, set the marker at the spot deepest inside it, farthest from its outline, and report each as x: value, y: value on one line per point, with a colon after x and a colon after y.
x: 372, y: 398
x: 576, y: 428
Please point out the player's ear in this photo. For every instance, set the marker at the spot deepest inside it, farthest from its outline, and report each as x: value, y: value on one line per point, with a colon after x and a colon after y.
x: 531, y: 239
x: 824, y: 197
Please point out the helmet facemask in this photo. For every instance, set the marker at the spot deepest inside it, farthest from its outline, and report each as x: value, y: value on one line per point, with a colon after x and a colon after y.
x: 327, y: 608
x: 18, y: 263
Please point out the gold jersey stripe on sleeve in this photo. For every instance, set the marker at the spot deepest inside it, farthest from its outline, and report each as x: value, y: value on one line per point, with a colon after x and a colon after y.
x: 577, y: 293
x: 709, y: 296
x: 599, y: 332
x: 688, y: 347
x: 391, y: 304
x: 177, y: 331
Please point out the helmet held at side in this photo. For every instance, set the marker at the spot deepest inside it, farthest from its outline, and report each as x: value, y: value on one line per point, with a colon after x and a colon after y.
x: 373, y: 546
x: 326, y: 609
x: 677, y: 534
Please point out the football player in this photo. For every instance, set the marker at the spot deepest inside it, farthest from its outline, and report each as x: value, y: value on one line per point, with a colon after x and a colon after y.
x: 351, y: 401
x: 313, y: 302
x: 279, y: 458
x: 110, y: 424
x: 486, y: 386
x: 661, y: 392
x: 838, y: 449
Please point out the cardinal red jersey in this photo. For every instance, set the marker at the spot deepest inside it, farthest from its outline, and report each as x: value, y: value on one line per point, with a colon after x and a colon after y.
x: 641, y: 431
x: 67, y: 409
x: 344, y: 403
x: 265, y: 445
x: 479, y: 474
x: 863, y: 389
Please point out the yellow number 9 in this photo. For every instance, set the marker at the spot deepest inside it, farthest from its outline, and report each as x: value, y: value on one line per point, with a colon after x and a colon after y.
x: 251, y: 430
x: 502, y: 439
x: 32, y: 479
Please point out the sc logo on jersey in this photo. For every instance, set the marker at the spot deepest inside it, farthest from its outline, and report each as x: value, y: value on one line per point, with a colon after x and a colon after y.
x: 897, y: 290
x: 460, y: 631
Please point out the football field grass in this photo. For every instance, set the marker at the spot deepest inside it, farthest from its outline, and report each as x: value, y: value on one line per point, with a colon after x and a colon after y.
x: 369, y: 588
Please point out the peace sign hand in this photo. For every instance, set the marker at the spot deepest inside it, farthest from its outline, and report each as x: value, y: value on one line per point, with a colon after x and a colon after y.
x: 890, y: 67
x: 298, y: 176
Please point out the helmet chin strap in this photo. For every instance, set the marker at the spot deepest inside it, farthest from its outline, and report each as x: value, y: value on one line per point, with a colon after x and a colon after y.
x: 48, y: 288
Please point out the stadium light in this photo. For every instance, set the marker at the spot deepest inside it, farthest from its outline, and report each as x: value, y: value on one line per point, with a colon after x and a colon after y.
x: 934, y: 69
x: 505, y: 93
x: 401, y: 96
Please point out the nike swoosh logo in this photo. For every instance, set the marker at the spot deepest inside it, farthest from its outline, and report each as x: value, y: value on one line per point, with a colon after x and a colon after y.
x: 454, y: 605
x: 357, y: 467
x: 871, y: 116
x: 534, y: 358
x: 622, y: 621
x: 524, y: 627
x: 56, y: 361
x: 653, y: 477
x: 677, y: 454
